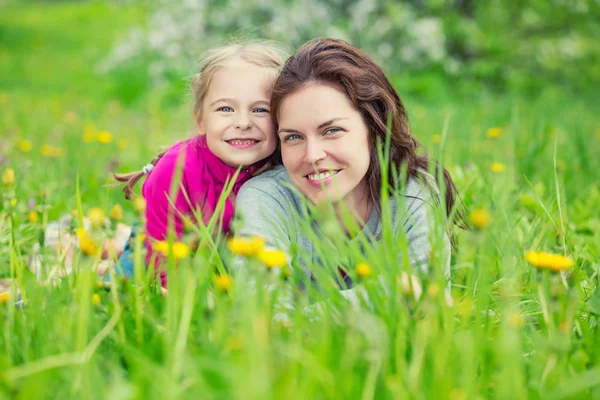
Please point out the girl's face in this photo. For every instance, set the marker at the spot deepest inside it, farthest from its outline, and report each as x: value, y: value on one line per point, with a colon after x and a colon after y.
x: 235, y: 114
x: 324, y: 145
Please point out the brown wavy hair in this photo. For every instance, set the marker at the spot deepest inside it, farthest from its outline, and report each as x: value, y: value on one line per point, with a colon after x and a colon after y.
x: 348, y: 69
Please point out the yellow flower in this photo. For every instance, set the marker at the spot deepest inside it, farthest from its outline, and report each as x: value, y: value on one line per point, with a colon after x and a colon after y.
x: 223, y: 282
x: 436, y: 139
x: 8, y: 177
x: 70, y: 117
x: 480, y: 218
x: 363, y: 270
x: 122, y: 144
x: 4, y: 296
x: 494, y: 132
x: 104, y: 137
x: 13, y: 202
x: 246, y: 246
x: 88, y: 137
x: 433, y: 290
x: 96, y: 216
x: 33, y: 217
x: 52, y: 152
x: 86, y: 244
x: 116, y: 213
x: 497, y: 167
x: 25, y: 146
x: 180, y: 250
x: 516, y: 319
x: 272, y: 258
x: 95, y: 299
x: 140, y: 204
x: 554, y: 262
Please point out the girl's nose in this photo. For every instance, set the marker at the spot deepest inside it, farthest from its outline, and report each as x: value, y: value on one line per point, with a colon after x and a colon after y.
x: 243, y: 121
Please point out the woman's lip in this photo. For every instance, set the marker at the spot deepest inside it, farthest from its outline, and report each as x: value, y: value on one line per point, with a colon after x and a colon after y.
x: 322, y: 182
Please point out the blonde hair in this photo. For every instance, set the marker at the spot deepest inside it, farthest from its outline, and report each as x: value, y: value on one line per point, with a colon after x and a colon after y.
x: 266, y: 54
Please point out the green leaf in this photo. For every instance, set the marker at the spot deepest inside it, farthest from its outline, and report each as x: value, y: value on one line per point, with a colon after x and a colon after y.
x: 594, y: 302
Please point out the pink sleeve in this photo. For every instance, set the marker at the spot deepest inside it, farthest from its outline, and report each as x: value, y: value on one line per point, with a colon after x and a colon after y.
x: 159, y: 210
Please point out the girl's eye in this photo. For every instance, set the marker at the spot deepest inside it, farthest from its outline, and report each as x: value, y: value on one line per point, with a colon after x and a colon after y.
x: 261, y: 110
x: 332, y: 131
x: 225, y: 109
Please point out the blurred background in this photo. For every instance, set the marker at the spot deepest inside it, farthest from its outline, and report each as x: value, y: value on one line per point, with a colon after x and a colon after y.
x: 90, y: 86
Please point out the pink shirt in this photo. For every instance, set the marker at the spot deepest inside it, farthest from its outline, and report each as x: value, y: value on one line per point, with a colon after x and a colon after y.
x: 203, y: 177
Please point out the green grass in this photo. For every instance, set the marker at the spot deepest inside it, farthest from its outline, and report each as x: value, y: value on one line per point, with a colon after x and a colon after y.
x: 513, y: 332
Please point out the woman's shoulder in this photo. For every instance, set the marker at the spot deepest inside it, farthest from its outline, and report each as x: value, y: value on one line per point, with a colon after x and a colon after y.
x: 274, y: 183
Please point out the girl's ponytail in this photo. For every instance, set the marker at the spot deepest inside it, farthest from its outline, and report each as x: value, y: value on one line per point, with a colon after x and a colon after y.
x: 132, y: 178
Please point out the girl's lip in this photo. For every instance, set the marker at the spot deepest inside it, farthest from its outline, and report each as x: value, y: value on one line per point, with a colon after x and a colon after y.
x: 242, y: 143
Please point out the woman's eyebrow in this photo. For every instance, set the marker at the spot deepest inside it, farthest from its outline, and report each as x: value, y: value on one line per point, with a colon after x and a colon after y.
x: 287, y: 130
x: 331, y: 121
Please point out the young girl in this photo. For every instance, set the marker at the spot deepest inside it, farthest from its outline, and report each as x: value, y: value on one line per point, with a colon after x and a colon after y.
x: 231, y: 109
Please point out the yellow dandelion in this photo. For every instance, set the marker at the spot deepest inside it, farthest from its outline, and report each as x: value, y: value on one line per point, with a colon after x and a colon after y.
x: 8, y: 177
x: 104, y: 137
x: 180, y: 250
x: 480, y: 218
x: 433, y: 290
x: 86, y: 244
x: 33, y: 217
x: 497, y: 167
x: 13, y: 202
x: 272, y: 258
x: 516, y: 319
x: 88, y: 137
x: 246, y: 246
x: 363, y: 270
x: 122, y: 144
x: 4, y: 297
x: 24, y: 145
x: 553, y: 262
x: 96, y: 216
x: 161, y: 247
x: 494, y: 132
x: 95, y: 299
x: 139, y: 204
x: 51, y: 151
x: 223, y: 282
x: 436, y: 139
x: 116, y: 213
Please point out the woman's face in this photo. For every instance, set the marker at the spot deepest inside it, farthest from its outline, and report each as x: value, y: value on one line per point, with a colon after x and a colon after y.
x: 324, y: 145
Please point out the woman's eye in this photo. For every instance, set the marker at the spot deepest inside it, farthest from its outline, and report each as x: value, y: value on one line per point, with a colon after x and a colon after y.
x: 225, y: 109
x: 261, y: 110
x: 332, y: 131
x: 291, y: 137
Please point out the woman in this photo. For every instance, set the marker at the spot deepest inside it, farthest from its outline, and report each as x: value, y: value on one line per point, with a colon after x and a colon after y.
x: 331, y: 106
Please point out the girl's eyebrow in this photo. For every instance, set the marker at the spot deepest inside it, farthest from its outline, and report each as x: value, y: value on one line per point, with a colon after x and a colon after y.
x: 222, y: 100
x: 323, y: 125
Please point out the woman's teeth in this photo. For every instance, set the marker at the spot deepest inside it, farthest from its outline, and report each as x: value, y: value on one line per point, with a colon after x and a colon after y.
x: 321, y: 176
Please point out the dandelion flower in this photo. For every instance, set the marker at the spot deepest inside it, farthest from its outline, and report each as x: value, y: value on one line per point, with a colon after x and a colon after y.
x: 51, y: 151
x: 480, y: 218
x: 140, y: 204
x: 122, y: 144
x: 95, y: 299
x: 436, y: 139
x: 86, y: 244
x: 433, y: 290
x: 494, y: 132
x: 363, y: 270
x: 104, y: 137
x: 554, y: 262
x: 161, y: 247
x: 4, y: 297
x: 24, y: 145
x: 180, y: 250
x: 33, y: 217
x: 497, y: 167
x: 223, y: 282
x: 8, y: 177
x: 116, y: 213
x: 246, y: 246
x: 96, y: 216
x: 272, y: 258
x: 516, y: 319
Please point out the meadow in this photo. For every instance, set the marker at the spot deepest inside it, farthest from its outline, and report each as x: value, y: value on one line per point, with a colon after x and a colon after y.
x: 522, y: 321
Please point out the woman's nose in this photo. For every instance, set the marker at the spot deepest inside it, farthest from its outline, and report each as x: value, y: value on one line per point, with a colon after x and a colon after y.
x: 314, y: 151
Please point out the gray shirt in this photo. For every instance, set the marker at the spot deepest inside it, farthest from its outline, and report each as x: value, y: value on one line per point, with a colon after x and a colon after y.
x: 270, y: 206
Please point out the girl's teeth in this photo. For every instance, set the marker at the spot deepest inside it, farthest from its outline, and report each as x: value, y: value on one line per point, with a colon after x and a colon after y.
x: 242, y: 141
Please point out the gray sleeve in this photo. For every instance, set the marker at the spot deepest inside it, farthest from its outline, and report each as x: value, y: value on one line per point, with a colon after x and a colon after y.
x: 419, y: 226
x: 261, y: 213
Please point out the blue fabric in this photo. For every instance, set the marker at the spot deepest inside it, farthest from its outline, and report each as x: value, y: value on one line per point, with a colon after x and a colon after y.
x: 124, y: 265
